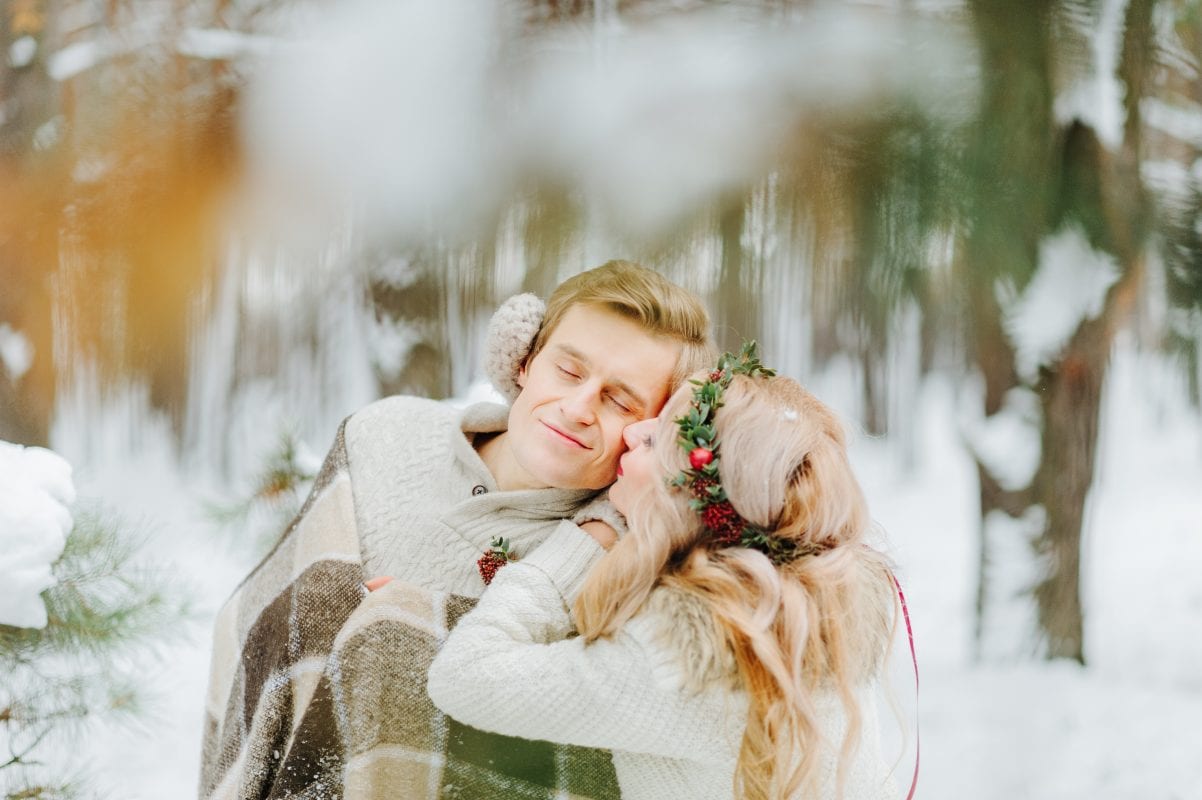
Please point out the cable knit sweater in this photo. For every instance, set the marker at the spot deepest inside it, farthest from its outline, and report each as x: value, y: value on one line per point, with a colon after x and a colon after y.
x: 427, y: 506
x: 661, y: 693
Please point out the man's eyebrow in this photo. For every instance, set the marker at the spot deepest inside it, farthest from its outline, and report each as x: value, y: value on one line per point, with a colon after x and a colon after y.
x: 620, y: 385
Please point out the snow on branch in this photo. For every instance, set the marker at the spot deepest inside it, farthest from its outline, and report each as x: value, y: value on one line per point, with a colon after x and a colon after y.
x: 36, y: 492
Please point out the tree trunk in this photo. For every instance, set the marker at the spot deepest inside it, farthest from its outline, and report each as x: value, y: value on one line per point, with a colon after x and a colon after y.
x: 1088, y: 188
x: 1071, y: 397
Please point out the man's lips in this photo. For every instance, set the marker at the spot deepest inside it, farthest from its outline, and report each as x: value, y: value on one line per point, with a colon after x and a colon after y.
x: 567, y: 437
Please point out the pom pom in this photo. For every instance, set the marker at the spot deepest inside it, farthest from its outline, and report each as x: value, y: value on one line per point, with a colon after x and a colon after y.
x: 511, y: 333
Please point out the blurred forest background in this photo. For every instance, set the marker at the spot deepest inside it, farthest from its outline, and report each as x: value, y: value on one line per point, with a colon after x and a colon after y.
x: 237, y: 216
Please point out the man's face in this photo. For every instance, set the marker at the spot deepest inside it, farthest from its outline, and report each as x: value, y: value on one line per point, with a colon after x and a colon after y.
x: 596, y: 374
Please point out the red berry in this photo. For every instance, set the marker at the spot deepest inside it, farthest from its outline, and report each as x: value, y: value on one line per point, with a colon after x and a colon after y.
x: 488, y: 564
x: 700, y: 456
x: 724, y: 522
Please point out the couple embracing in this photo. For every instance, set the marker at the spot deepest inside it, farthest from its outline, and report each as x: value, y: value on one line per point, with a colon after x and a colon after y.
x: 680, y: 602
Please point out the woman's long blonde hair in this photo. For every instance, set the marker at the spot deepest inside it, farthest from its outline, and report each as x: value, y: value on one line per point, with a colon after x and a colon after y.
x: 820, y: 621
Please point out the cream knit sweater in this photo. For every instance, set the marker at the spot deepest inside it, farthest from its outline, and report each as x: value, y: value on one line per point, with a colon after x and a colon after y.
x: 427, y: 506
x: 660, y: 693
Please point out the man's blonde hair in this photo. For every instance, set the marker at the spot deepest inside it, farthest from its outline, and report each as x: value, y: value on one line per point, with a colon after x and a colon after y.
x: 643, y: 296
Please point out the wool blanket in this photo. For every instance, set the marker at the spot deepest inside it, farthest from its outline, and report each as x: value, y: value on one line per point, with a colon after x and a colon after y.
x: 318, y: 689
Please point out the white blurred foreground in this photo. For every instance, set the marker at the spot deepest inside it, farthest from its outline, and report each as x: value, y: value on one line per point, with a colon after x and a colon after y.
x: 429, y: 117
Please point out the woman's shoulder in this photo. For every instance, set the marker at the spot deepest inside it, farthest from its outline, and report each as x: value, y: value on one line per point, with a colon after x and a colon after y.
x: 683, y: 640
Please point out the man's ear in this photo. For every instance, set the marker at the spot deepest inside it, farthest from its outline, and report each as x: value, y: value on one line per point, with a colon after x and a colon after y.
x: 521, y: 381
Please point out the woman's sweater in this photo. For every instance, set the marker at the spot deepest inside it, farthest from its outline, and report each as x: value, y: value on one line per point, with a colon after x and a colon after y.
x: 661, y: 693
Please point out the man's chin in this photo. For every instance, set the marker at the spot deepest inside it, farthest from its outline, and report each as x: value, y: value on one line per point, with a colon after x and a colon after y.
x: 575, y: 482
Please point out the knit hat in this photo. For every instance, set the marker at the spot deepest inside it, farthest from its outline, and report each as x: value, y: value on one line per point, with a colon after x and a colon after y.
x: 511, y: 333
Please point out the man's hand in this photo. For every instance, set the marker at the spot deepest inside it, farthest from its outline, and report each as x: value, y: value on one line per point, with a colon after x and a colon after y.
x: 604, y: 534
x: 376, y: 583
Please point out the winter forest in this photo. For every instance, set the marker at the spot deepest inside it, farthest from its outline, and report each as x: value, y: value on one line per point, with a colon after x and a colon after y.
x: 973, y: 227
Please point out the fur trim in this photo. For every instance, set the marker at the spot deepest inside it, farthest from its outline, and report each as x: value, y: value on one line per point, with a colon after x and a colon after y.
x: 602, y: 510
x: 686, y: 629
x: 511, y: 333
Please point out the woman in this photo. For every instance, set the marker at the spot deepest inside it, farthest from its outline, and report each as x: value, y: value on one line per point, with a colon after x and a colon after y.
x: 729, y: 643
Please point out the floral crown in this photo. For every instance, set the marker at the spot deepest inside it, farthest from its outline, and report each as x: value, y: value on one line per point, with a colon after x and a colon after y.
x: 699, y: 439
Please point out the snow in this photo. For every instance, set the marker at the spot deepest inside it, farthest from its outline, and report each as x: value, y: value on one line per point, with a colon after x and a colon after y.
x: 308, y: 461
x: 49, y: 133
x: 391, y: 342
x: 1096, y: 98
x: 91, y: 170
x: 221, y: 44
x: 1010, y: 613
x: 1183, y: 122
x: 22, y: 51
x: 16, y: 353
x: 36, y: 493
x: 75, y: 58
x: 1168, y: 178
x: 1068, y: 288
x: 1008, y: 442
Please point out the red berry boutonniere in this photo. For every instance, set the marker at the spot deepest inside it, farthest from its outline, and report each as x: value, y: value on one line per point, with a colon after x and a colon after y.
x: 497, y: 556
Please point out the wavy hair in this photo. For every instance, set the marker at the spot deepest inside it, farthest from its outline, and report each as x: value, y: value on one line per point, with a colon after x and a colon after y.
x: 819, y: 622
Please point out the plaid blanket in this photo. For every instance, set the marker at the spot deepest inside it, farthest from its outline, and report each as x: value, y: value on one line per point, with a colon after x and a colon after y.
x: 318, y: 690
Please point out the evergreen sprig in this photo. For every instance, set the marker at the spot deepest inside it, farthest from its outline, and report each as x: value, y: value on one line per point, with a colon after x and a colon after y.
x: 276, y: 492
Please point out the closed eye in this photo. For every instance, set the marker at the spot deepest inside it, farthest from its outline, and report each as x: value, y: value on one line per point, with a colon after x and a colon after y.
x: 568, y: 372
x: 625, y: 409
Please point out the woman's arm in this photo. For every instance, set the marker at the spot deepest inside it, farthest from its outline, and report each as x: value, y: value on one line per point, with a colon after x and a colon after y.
x: 506, y: 668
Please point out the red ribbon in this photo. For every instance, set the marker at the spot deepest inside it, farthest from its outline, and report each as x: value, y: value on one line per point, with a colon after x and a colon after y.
x: 914, y: 658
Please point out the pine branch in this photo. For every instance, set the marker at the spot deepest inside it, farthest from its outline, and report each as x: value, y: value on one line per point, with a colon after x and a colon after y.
x: 278, y: 489
x: 102, y: 599
x: 105, y: 605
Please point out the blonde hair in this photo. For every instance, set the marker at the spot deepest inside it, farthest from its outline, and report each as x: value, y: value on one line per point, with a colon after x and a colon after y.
x: 644, y: 296
x: 821, y: 621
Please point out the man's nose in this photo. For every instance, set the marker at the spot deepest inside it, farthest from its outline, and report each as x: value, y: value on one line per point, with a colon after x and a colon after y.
x: 580, y: 405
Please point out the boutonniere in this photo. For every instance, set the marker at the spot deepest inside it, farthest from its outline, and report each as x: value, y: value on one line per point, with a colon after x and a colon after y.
x: 497, y: 556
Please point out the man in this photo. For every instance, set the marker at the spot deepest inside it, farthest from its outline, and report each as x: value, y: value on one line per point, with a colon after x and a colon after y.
x: 315, y: 694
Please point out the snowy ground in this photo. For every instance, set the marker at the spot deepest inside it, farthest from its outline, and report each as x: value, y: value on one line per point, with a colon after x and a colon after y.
x: 1128, y: 726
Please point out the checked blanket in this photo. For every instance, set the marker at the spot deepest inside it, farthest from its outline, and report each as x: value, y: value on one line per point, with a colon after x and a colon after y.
x: 318, y: 689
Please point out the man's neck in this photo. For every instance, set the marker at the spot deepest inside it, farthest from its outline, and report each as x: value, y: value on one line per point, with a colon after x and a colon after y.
x: 495, y: 453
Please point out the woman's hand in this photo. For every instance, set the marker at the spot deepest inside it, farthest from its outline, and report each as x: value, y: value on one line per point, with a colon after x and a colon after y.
x: 603, y: 533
